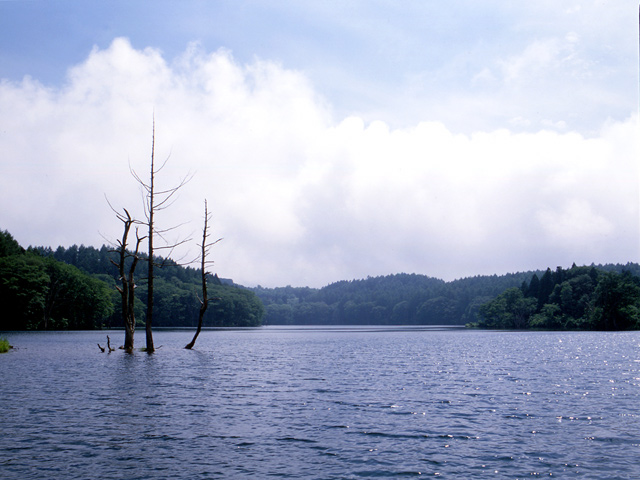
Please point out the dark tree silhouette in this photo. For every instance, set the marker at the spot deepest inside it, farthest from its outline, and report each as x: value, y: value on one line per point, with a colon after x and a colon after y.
x: 155, y: 201
x: 204, y: 250
x: 126, y: 289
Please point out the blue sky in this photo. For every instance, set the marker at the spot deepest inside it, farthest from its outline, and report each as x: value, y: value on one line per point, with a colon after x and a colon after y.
x: 335, y: 140
x: 399, y: 62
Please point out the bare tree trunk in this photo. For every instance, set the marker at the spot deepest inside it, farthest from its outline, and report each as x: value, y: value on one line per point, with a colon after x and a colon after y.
x: 204, y: 303
x: 153, y: 205
x: 151, y: 210
x: 131, y: 285
x: 204, y: 249
x: 124, y: 289
x: 127, y: 279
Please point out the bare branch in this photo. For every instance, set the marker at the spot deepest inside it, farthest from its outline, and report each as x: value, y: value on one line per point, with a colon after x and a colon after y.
x: 204, y: 301
x: 175, y: 227
x: 138, y: 179
x: 126, y: 289
x: 111, y: 206
x: 164, y: 163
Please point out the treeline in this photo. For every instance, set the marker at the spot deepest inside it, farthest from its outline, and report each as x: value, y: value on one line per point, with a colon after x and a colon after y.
x: 74, y: 288
x: 402, y: 299
x: 581, y: 298
x: 176, y: 303
x: 39, y: 292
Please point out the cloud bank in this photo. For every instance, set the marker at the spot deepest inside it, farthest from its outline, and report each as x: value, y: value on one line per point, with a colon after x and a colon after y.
x: 301, y: 197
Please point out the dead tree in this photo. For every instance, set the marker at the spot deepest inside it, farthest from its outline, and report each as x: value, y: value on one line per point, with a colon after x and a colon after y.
x: 123, y: 289
x: 154, y: 202
x: 204, y: 250
x: 126, y: 289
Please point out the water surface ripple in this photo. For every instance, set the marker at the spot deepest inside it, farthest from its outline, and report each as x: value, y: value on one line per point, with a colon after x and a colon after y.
x: 323, y: 404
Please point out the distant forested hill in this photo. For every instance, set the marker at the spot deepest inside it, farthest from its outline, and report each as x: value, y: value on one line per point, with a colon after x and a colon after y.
x: 175, y: 288
x: 402, y: 299
x: 75, y: 288
x: 42, y: 288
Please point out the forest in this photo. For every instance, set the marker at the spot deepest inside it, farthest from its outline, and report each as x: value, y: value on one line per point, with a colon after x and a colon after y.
x: 75, y: 288
x: 411, y: 299
x: 580, y: 298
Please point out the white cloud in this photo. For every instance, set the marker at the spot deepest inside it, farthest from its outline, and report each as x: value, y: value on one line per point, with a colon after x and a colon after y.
x: 538, y: 56
x: 299, y: 197
x: 576, y: 223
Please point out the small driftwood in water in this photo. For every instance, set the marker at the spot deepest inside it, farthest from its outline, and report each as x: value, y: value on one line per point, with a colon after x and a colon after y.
x: 108, y: 349
x: 109, y: 345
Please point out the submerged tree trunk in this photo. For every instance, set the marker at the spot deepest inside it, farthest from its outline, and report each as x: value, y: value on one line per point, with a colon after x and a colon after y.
x: 204, y: 301
x: 151, y: 210
x: 126, y: 290
x: 124, y: 279
x: 131, y: 285
x: 155, y: 201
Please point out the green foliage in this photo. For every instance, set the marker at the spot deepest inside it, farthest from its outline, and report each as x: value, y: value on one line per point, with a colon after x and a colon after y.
x: 616, y: 304
x: 4, y: 345
x: 511, y: 309
x: 233, y: 307
x: 38, y: 292
x: 41, y: 293
x: 578, y: 298
x: 278, y: 313
x: 8, y: 245
x: 23, y: 291
x: 74, y: 300
x: 418, y: 299
x: 393, y: 299
x: 434, y: 310
x: 310, y: 313
x: 175, y: 292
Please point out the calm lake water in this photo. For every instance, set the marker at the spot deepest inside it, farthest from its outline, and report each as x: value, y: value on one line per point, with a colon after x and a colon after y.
x: 316, y: 403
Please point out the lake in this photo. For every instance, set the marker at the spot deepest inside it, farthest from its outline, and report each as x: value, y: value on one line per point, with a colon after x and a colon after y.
x: 322, y: 403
